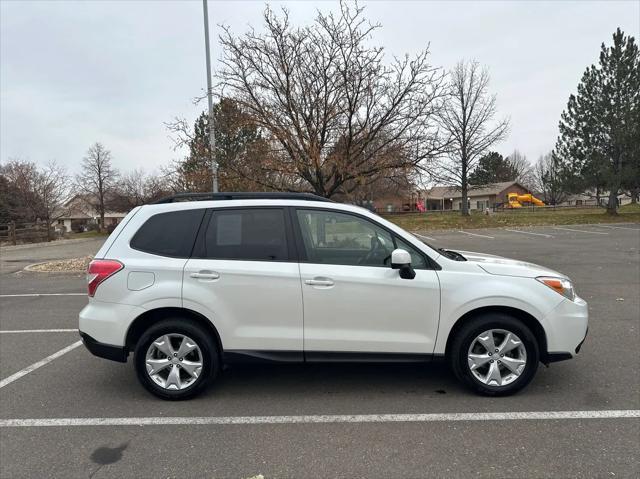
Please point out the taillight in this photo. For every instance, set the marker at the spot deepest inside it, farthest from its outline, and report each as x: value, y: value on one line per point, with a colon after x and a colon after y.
x: 98, y: 271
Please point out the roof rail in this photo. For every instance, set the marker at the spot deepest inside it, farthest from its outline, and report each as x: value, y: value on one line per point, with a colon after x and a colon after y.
x: 268, y: 195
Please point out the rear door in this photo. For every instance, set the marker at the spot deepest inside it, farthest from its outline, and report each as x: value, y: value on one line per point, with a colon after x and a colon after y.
x: 244, y: 277
x: 353, y: 301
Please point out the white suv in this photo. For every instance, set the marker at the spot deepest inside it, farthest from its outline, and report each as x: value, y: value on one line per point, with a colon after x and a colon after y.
x: 191, y: 285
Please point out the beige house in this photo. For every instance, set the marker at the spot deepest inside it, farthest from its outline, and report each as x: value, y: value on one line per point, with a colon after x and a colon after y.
x: 480, y: 198
x: 589, y: 198
x: 79, y: 213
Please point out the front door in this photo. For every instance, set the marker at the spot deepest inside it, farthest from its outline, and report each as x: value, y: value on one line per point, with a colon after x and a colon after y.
x: 243, y: 278
x: 353, y: 301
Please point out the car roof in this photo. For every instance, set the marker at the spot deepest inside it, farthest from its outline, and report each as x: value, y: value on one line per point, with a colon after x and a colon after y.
x: 241, y: 195
x: 235, y: 203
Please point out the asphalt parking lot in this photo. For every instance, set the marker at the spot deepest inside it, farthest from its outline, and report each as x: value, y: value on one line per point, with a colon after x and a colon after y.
x: 79, y: 416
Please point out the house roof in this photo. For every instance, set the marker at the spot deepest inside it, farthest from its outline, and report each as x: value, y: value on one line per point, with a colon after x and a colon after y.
x: 79, y: 207
x: 454, y: 192
x: 84, y: 215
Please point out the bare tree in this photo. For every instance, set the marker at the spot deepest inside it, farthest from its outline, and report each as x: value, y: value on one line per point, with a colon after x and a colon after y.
x: 137, y: 188
x: 38, y: 192
x: 523, y: 170
x: 549, y: 179
x: 334, y: 112
x: 97, y: 179
x: 51, y: 187
x: 468, y: 119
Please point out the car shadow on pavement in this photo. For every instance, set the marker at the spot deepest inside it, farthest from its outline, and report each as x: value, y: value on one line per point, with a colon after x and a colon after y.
x: 335, y: 378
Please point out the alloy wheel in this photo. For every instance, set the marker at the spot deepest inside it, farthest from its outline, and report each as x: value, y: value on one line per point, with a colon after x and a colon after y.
x: 174, y: 361
x: 497, y: 357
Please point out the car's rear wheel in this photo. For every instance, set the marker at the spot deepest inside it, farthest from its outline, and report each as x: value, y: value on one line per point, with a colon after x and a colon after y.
x: 176, y: 359
x: 495, y: 354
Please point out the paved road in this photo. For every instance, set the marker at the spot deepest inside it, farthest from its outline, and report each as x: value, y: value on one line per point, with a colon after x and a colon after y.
x: 14, y: 258
x: 604, y: 263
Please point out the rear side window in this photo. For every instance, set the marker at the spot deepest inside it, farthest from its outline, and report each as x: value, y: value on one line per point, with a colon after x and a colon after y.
x: 257, y: 234
x: 169, y: 234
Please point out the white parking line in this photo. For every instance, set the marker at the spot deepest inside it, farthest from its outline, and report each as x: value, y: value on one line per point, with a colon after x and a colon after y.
x: 33, y: 295
x: 475, y: 234
x: 617, y: 227
x: 425, y: 237
x: 530, y: 233
x: 20, y: 331
x: 39, y: 364
x: 316, y: 419
x: 582, y: 231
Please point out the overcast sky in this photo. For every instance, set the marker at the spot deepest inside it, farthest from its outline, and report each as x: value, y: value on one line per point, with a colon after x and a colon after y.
x: 73, y: 73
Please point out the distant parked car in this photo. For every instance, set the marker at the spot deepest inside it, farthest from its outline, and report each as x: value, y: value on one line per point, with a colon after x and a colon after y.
x: 188, y: 286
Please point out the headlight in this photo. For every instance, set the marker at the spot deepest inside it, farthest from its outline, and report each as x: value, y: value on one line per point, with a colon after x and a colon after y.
x: 559, y: 285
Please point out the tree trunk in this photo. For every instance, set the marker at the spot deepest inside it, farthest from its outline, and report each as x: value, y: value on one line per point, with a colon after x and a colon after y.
x: 464, y: 207
x: 101, y: 208
x: 635, y: 192
x: 12, y: 233
x: 612, y: 205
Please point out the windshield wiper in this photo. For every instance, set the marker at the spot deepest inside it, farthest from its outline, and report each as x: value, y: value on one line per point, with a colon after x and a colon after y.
x: 454, y: 255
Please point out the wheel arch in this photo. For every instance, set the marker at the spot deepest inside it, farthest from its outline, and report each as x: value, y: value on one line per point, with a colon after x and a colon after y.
x: 530, y: 321
x: 153, y: 316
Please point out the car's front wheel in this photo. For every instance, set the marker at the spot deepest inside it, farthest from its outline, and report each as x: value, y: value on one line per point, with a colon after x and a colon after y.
x: 496, y: 354
x: 176, y: 359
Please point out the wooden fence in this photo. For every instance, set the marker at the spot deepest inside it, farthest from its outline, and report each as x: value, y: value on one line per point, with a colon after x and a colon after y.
x: 502, y: 208
x: 497, y: 208
x: 14, y: 233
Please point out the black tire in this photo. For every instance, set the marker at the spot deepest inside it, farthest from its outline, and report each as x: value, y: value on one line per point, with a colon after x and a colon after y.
x: 466, y: 335
x: 204, y: 341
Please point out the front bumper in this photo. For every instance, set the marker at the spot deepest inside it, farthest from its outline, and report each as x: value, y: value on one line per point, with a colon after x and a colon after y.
x: 566, y: 329
x: 555, y: 357
x: 102, y: 350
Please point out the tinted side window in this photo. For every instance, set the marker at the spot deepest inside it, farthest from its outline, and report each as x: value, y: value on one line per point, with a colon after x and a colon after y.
x: 337, y: 238
x: 257, y: 234
x: 169, y: 234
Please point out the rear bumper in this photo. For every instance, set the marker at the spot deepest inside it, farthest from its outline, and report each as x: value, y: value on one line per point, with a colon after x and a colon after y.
x: 107, y: 323
x: 102, y: 350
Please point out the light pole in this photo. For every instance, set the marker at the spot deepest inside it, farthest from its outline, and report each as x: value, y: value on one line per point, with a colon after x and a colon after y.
x: 212, y: 134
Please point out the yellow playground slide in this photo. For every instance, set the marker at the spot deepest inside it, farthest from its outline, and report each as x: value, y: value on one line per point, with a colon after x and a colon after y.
x: 516, y: 200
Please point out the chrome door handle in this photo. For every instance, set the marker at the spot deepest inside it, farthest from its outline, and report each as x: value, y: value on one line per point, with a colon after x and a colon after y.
x: 319, y: 282
x: 205, y: 275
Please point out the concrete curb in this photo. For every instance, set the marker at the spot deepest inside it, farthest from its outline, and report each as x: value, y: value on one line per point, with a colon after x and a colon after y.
x: 30, y: 269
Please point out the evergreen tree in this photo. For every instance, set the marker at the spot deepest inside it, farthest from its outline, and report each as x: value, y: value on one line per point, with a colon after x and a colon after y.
x: 237, y: 141
x: 492, y: 168
x: 600, y: 129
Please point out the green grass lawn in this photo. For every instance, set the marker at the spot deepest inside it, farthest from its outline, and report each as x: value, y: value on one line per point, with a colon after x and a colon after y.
x: 85, y: 234
x: 524, y: 217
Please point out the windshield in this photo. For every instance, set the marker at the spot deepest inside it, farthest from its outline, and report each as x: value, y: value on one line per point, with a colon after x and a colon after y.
x: 437, y: 250
x: 454, y: 255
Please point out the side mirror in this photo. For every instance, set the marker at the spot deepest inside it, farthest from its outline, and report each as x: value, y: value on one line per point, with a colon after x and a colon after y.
x: 401, y: 260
